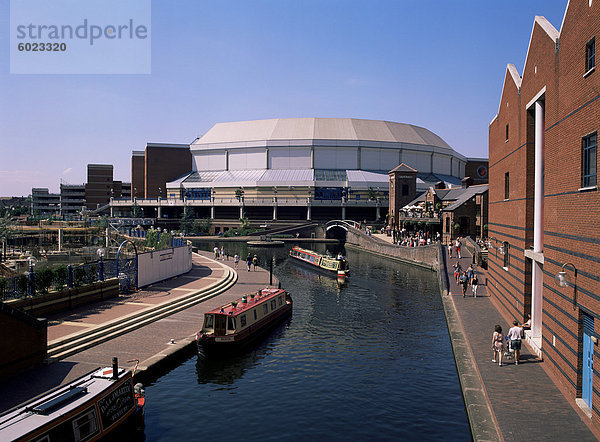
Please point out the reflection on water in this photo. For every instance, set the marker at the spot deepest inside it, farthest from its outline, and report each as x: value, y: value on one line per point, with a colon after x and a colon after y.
x: 366, y: 359
x: 227, y: 368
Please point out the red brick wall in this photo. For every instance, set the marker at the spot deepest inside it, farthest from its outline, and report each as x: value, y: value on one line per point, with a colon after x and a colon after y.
x: 571, y: 216
x: 138, y: 181
x: 164, y: 164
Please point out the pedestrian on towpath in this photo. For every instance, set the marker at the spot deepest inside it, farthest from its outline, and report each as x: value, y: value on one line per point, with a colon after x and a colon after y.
x: 457, y: 270
x: 457, y: 246
x: 450, y: 249
x: 236, y: 260
x: 497, y: 345
x: 470, y: 272
x: 216, y: 250
x: 248, y: 261
x: 255, y: 262
x: 514, y: 337
x: 474, y: 285
x: 464, y: 282
x: 223, y: 253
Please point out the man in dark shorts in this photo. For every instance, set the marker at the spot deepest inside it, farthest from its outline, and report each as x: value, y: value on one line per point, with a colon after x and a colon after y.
x: 514, y: 336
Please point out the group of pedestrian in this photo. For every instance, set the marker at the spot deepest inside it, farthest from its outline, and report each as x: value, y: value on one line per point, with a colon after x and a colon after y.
x: 251, y: 261
x: 456, y: 245
x: 466, y: 278
x: 513, y: 340
x: 220, y: 253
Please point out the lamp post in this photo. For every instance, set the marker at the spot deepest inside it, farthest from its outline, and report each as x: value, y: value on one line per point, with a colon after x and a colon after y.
x: 562, y: 280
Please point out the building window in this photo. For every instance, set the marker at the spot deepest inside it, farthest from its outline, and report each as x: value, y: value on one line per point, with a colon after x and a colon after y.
x: 590, y: 55
x: 507, y: 132
x: 505, y: 248
x: 448, y: 225
x: 588, y: 155
x: 506, y: 185
x: 404, y: 189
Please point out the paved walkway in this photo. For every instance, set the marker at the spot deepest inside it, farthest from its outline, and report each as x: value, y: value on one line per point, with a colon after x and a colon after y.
x: 526, y: 402
x: 148, y: 343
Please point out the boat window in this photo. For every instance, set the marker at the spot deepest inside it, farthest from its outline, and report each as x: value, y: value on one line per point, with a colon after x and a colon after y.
x: 254, y: 314
x: 86, y: 425
x: 265, y: 308
x: 243, y: 321
x: 273, y: 305
x: 208, y: 321
x: 231, y: 323
x: 280, y: 300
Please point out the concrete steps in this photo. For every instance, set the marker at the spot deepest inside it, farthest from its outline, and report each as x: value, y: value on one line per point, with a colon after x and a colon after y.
x: 66, y: 346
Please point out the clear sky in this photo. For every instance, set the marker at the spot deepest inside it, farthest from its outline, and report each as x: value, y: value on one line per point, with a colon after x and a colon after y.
x: 439, y: 64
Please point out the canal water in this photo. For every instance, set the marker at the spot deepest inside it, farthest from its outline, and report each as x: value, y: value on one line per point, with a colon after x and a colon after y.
x: 365, y: 359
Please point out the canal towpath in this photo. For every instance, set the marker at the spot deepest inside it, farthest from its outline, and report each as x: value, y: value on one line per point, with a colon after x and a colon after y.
x: 158, y: 344
x: 523, y: 400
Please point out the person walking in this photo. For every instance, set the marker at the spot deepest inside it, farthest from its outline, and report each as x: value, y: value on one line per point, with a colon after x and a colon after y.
x: 223, y: 253
x: 216, y: 250
x: 236, y: 260
x: 474, y: 285
x: 457, y: 246
x: 497, y: 345
x: 514, y: 336
x: 450, y: 249
x: 470, y: 272
x: 255, y: 262
x: 457, y: 270
x: 248, y: 261
x: 464, y: 282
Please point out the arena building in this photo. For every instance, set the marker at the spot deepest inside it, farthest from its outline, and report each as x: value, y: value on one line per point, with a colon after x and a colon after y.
x: 306, y: 168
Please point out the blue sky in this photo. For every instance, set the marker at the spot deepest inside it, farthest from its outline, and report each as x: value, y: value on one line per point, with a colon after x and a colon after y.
x: 433, y: 63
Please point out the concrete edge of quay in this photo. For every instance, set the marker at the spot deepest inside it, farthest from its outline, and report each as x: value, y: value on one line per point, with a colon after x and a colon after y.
x: 165, y: 360
x: 392, y: 257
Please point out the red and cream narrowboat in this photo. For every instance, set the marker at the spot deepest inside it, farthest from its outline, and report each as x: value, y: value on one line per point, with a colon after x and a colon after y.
x: 242, y: 321
x: 91, y: 407
x: 338, y: 265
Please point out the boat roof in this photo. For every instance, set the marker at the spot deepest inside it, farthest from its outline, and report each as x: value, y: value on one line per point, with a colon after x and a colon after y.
x: 241, y: 307
x: 44, y: 409
x: 312, y: 252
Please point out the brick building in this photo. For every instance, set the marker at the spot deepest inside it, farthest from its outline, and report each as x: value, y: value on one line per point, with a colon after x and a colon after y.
x: 163, y: 163
x: 543, y: 198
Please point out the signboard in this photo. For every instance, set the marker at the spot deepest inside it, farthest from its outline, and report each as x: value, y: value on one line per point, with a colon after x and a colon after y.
x: 116, y: 404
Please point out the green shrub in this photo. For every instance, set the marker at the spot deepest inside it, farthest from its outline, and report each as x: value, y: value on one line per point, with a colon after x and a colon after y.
x: 61, y: 274
x: 43, y: 280
x: 3, y: 288
x: 79, y: 276
x: 22, y: 284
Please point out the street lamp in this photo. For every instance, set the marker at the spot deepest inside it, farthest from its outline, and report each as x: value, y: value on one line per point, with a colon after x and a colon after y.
x: 562, y: 280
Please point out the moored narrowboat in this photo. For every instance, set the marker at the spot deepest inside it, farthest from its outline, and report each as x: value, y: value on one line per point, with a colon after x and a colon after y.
x: 240, y: 322
x: 338, y: 265
x: 91, y: 407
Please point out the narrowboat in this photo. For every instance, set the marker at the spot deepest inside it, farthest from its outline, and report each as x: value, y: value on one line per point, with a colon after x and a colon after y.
x: 338, y: 265
x: 240, y: 322
x: 103, y: 402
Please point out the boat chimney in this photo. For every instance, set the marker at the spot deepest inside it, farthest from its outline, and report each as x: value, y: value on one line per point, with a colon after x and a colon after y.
x: 115, y: 366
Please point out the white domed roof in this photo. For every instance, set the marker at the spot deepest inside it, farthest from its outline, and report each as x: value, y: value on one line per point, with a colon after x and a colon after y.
x: 357, y: 131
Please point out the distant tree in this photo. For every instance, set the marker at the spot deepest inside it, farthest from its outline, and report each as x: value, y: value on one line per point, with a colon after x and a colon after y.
x: 136, y: 210
x: 239, y: 194
x: 201, y: 225
x: 187, y: 220
x: 245, y: 222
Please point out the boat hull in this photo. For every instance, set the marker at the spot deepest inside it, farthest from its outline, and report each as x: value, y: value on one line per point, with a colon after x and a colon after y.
x: 333, y: 273
x: 210, y: 344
